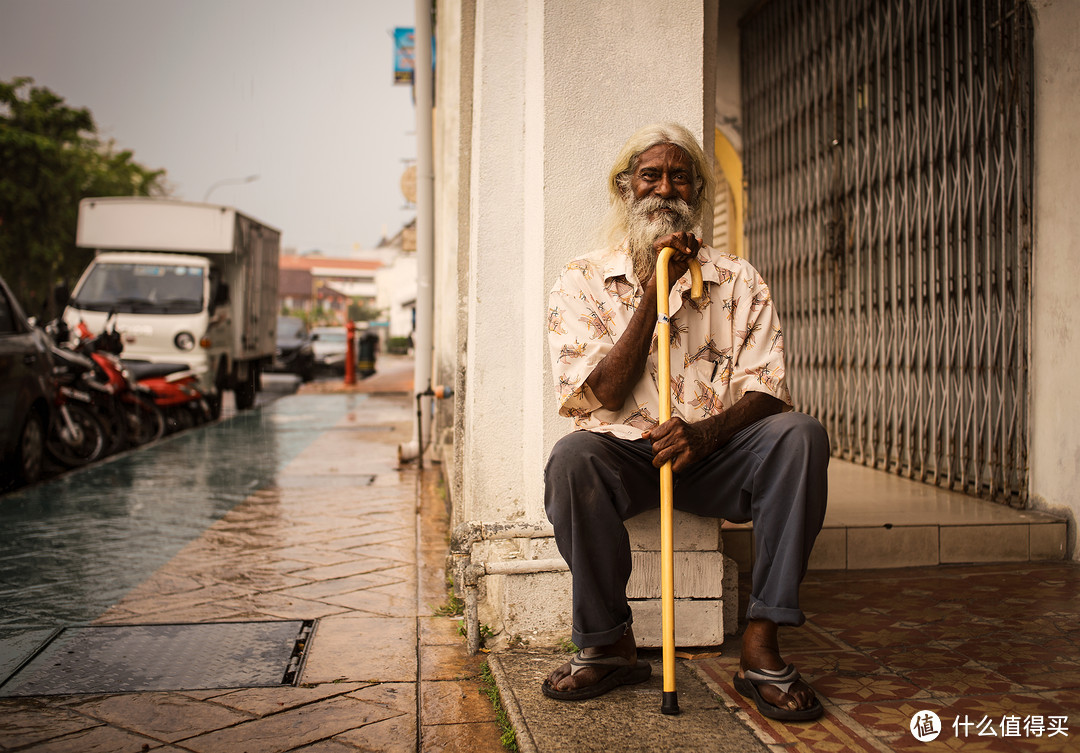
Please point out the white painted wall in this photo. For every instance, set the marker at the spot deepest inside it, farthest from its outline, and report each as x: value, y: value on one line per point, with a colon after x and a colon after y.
x: 452, y: 125
x: 395, y: 286
x: 558, y: 87
x: 1055, y: 320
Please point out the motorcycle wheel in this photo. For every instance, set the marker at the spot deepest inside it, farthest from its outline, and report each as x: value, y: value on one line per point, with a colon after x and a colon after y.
x: 27, y: 463
x: 74, y: 451
x: 179, y: 418
x: 145, y: 421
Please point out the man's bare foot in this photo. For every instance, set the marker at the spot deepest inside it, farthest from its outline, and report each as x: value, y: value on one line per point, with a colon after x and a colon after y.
x: 562, y: 680
x: 761, y: 650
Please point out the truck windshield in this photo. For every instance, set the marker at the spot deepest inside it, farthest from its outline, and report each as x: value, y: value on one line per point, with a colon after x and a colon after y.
x: 142, y: 289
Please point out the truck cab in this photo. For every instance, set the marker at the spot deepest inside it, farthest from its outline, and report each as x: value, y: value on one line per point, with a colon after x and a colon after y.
x: 165, y: 306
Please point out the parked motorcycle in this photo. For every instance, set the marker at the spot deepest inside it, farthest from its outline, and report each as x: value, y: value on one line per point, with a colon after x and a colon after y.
x: 143, y: 420
x: 76, y: 435
x: 175, y: 390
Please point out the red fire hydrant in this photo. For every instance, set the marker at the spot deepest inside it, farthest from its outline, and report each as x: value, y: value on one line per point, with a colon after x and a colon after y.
x: 350, y: 352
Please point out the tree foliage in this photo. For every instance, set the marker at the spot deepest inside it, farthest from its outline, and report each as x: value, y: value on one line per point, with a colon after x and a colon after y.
x: 364, y: 310
x: 52, y: 157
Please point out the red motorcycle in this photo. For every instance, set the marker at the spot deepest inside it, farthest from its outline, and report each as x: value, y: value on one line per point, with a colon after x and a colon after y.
x: 143, y: 420
x: 175, y: 390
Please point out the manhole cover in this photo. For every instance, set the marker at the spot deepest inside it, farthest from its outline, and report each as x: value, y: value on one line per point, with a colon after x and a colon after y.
x: 128, y: 658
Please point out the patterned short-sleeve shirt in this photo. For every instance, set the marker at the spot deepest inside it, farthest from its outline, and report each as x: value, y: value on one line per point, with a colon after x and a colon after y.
x: 723, y: 346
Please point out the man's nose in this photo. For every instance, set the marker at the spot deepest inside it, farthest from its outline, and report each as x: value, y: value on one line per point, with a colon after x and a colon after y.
x: 665, y: 189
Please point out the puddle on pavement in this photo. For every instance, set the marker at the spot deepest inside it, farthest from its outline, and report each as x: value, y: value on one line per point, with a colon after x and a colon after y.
x: 75, y: 545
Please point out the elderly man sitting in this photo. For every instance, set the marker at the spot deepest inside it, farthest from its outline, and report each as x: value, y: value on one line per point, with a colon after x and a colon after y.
x: 738, y: 451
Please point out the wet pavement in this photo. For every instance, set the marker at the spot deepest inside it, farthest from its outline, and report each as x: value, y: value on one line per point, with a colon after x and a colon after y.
x: 295, y: 512
x: 77, y: 544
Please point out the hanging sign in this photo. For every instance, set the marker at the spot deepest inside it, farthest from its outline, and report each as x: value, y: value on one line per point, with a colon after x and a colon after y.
x: 404, y: 59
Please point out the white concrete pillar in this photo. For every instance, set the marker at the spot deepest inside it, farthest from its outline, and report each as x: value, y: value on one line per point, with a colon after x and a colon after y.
x: 558, y: 86
x: 1055, y: 315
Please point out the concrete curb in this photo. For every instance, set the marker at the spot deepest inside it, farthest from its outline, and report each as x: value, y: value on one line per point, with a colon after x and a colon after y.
x: 510, y: 704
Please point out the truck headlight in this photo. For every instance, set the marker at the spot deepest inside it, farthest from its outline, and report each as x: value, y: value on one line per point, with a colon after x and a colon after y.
x: 184, y: 341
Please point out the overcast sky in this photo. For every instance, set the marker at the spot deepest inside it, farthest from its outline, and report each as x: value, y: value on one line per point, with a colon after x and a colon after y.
x: 298, y: 92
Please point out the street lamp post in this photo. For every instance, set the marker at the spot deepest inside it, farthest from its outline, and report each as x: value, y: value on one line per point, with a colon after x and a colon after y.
x: 229, y: 181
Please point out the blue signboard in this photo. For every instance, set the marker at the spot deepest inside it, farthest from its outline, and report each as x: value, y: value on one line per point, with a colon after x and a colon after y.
x: 404, y: 60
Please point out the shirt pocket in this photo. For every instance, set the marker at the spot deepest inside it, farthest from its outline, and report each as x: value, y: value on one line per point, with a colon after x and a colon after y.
x: 703, y: 391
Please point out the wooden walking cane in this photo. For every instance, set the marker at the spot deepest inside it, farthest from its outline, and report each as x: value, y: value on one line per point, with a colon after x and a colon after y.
x: 670, y: 702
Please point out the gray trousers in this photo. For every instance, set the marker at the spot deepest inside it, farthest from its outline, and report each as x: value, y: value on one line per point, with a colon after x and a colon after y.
x: 772, y: 472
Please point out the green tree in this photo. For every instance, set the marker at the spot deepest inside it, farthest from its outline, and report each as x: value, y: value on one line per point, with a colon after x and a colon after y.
x: 52, y: 158
x: 363, y: 310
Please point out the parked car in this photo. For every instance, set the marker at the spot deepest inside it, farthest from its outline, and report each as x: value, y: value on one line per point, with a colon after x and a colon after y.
x: 25, y: 393
x: 330, y: 348
x: 295, y: 353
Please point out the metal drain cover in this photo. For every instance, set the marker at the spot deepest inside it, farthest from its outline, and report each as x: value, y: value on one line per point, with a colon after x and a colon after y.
x: 128, y: 658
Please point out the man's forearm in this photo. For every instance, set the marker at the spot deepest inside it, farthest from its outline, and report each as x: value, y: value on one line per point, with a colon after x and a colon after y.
x: 685, y: 444
x: 718, y: 430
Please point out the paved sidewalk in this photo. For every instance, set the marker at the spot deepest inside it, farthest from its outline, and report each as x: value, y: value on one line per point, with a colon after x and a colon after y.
x: 343, y: 536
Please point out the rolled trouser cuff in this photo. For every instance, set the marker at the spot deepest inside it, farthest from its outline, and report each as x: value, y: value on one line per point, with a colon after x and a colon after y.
x: 603, y: 637
x: 758, y: 610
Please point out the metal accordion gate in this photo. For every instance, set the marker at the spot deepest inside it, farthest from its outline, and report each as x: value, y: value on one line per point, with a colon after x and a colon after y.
x: 888, y: 162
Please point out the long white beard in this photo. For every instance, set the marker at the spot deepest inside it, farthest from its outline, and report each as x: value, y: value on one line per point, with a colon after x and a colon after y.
x: 642, y: 231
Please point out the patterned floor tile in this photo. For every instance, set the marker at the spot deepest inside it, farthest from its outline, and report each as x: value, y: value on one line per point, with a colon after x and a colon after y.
x: 1053, y: 676
x: 873, y: 636
x: 959, y: 681
x: 930, y: 656
x: 866, y: 688
x: 819, y: 663
x: 967, y: 642
x: 1013, y: 648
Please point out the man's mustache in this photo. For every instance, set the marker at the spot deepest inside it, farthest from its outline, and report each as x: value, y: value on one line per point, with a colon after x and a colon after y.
x: 650, y: 204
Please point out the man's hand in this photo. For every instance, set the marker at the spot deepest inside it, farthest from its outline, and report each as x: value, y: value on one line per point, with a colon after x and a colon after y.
x: 686, y: 247
x: 682, y: 443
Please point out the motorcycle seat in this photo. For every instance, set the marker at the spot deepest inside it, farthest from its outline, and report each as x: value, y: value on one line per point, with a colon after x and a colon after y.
x: 152, y: 370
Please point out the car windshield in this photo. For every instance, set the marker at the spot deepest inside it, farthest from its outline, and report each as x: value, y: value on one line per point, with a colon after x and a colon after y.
x: 142, y: 289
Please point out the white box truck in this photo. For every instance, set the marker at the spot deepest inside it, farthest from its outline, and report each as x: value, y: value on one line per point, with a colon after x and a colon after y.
x: 189, y: 283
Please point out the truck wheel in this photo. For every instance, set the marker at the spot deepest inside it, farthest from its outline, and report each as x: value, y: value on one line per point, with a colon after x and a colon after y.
x: 214, y: 399
x: 213, y: 406
x: 245, y: 390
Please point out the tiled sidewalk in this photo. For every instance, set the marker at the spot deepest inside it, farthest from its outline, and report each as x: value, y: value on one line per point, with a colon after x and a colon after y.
x: 991, y: 645
x: 339, y: 538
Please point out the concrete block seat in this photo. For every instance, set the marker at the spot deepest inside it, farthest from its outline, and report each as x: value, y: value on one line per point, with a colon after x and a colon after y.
x: 706, y: 581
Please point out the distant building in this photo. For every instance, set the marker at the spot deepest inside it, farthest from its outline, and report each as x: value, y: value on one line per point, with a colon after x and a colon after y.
x: 313, y: 282
x: 396, y: 282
